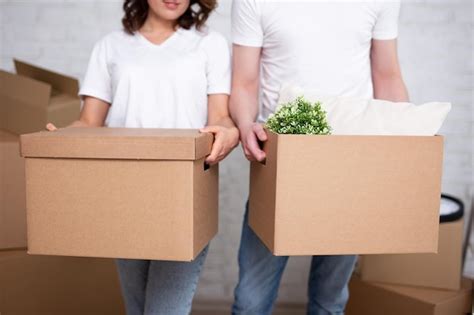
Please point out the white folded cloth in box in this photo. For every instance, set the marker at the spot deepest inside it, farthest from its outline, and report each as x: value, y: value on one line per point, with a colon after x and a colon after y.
x: 358, y: 116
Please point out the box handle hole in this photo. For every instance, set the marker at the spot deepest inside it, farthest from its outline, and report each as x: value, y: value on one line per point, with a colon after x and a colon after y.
x: 206, y: 166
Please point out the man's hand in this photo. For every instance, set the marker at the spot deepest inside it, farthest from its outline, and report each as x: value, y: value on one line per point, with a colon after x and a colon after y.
x: 250, y: 136
x: 225, y: 140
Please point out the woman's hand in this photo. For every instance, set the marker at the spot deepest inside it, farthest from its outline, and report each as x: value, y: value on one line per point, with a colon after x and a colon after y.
x: 93, y: 114
x: 51, y: 127
x: 225, y: 140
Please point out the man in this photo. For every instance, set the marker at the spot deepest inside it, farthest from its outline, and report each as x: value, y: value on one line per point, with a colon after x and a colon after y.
x: 336, y: 48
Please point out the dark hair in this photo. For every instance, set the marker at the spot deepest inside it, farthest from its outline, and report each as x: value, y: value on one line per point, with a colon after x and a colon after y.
x: 136, y: 12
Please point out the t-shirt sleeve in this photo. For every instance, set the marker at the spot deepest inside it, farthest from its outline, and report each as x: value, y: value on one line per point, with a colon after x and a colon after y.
x: 247, y: 28
x: 218, y: 65
x: 97, y: 82
x: 386, y: 26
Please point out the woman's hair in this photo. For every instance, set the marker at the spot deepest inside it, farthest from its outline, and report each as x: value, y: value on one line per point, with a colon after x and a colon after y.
x: 136, y: 12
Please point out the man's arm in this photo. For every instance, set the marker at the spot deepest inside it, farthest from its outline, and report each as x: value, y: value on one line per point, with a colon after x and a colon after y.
x: 386, y: 75
x: 244, y: 99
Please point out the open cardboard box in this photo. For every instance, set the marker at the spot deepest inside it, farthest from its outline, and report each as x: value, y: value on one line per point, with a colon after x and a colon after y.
x: 35, y: 96
x: 442, y: 270
x: 12, y: 193
x: 120, y: 193
x: 331, y: 195
x: 31, y: 285
x: 368, y: 298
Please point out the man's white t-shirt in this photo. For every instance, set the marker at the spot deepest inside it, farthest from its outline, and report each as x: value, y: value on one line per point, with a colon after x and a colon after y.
x: 318, y: 45
x: 158, y: 86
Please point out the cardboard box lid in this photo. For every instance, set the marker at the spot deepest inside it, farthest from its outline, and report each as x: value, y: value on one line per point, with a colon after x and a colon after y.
x: 368, y: 298
x: 118, y: 143
x: 428, y: 295
x: 59, y: 83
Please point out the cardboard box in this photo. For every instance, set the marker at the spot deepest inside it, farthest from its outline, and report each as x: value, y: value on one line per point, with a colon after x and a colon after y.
x: 367, y: 298
x: 329, y: 195
x: 31, y: 285
x: 12, y: 193
x: 121, y: 193
x: 34, y: 96
x: 442, y: 270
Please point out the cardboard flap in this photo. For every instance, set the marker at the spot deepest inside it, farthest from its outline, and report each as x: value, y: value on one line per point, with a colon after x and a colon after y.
x: 23, y: 90
x: 57, y: 81
x: 118, y: 143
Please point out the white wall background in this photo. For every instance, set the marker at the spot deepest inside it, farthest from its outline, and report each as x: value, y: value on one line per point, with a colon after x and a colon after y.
x: 435, y: 45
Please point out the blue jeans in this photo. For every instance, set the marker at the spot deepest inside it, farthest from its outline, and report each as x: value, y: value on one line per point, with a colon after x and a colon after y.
x: 260, y: 274
x: 159, y: 287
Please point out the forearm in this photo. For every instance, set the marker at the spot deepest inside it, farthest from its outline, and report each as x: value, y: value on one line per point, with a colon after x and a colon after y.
x: 243, y: 107
x: 390, y: 88
x: 224, y: 121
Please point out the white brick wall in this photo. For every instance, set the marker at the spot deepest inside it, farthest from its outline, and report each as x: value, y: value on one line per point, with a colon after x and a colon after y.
x: 437, y: 61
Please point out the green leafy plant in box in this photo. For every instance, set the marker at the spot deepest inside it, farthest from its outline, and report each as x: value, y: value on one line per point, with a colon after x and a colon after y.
x: 299, y: 117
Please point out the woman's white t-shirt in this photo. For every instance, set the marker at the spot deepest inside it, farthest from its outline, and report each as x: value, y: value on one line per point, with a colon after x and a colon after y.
x: 158, y: 86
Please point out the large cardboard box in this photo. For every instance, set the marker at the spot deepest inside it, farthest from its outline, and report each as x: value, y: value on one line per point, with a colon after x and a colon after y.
x: 31, y: 285
x: 118, y: 192
x: 442, y: 270
x: 367, y: 298
x: 329, y: 195
x: 34, y: 96
x: 12, y: 193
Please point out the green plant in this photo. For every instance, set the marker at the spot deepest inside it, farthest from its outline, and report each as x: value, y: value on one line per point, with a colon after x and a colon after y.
x: 299, y: 117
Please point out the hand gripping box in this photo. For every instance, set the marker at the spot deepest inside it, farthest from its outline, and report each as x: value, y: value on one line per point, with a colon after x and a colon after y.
x: 331, y: 195
x: 120, y: 193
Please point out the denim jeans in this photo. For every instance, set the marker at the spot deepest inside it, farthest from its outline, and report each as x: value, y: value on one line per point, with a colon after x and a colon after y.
x: 260, y: 274
x: 152, y: 287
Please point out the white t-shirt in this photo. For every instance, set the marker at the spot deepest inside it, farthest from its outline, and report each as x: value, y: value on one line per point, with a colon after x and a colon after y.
x: 316, y: 45
x: 158, y: 86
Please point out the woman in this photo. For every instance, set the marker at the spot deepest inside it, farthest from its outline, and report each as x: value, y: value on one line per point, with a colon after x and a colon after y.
x: 164, y: 70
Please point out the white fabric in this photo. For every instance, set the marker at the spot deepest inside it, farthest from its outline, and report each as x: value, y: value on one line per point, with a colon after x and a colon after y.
x: 358, y: 116
x: 158, y: 86
x: 314, y: 43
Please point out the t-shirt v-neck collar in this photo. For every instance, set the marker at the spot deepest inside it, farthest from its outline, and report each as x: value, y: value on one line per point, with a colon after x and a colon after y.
x: 165, y: 43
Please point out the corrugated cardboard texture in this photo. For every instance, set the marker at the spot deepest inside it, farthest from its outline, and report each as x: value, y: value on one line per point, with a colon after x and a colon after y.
x: 110, y: 208
x: 113, y: 196
x: 28, y: 102
x: 118, y: 143
x: 350, y: 194
x: 442, y: 270
x: 205, y: 202
x: 368, y: 298
x: 12, y: 193
x: 263, y: 194
x: 31, y: 285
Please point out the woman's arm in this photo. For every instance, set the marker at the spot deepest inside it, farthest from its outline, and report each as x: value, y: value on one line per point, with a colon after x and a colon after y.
x: 93, y: 114
x: 226, y: 135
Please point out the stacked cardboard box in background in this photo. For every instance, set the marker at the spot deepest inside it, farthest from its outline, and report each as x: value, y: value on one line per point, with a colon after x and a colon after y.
x: 415, y: 283
x: 41, y: 284
x: 370, y: 298
x: 12, y: 193
x: 31, y: 285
